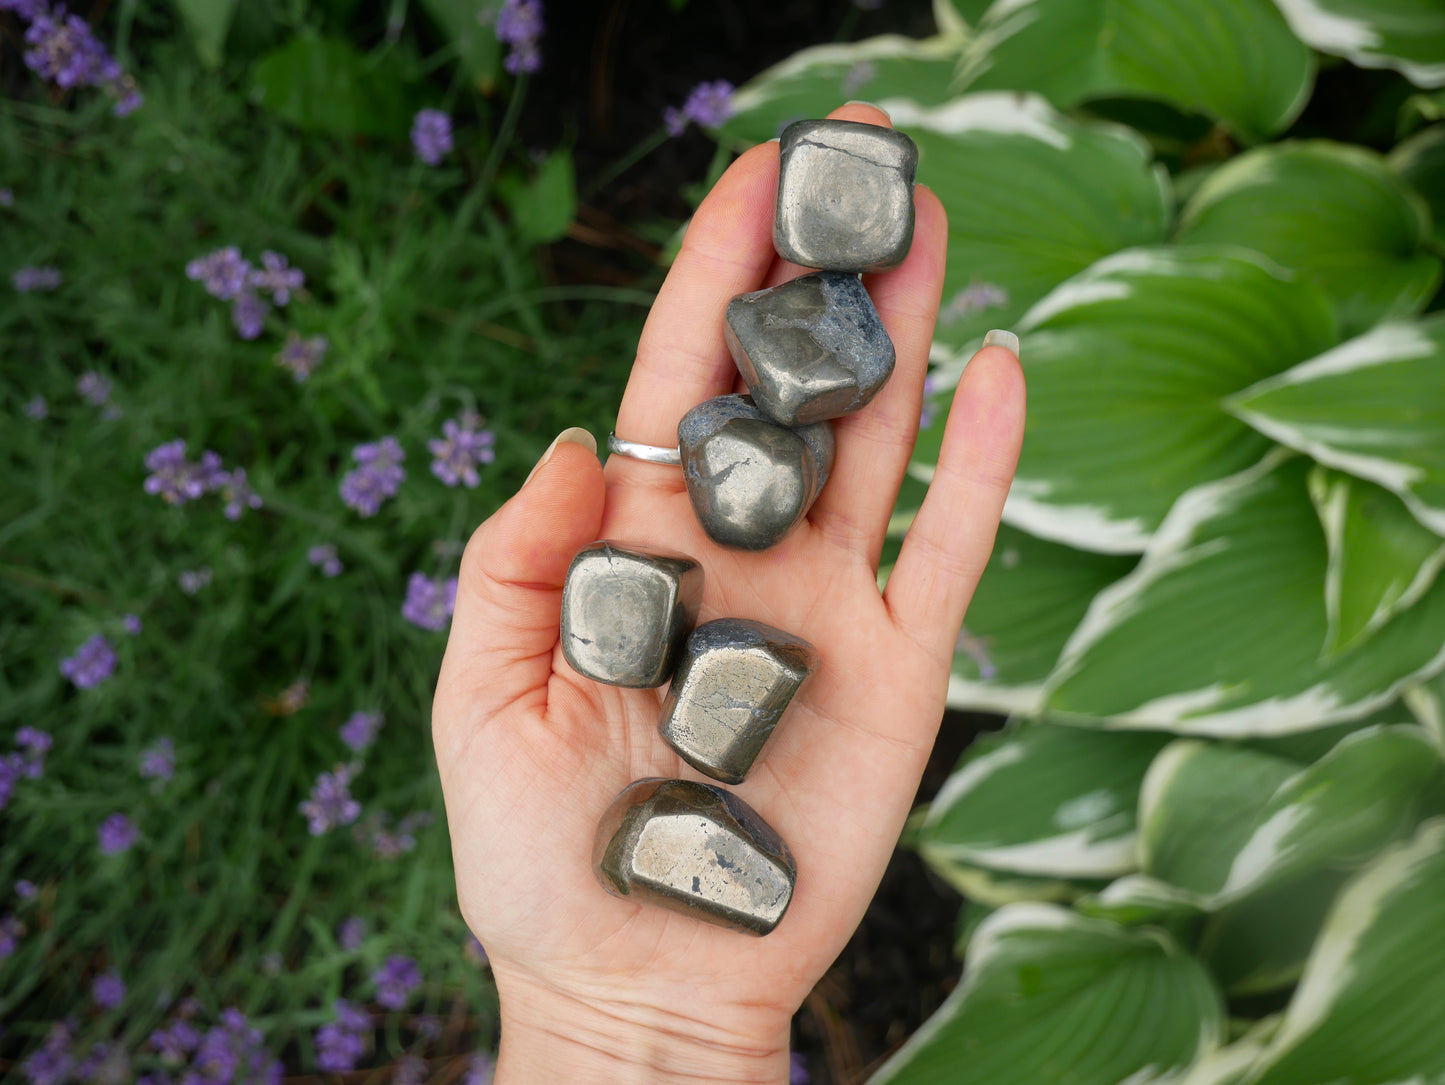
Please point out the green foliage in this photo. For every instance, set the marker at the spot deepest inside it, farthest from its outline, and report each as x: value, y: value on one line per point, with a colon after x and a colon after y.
x: 1228, y: 524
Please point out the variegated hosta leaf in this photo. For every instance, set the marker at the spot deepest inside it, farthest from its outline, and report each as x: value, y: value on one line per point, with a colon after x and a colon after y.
x: 1373, y: 407
x: 1138, y: 898
x: 1218, y: 631
x: 1033, y: 197
x: 1407, y: 35
x: 1127, y: 364
x: 1042, y: 799
x: 1335, y: 213
x: 1050, y: 996
x: 1032, y: 595
x: 1381, y: 559
x: 996, y: 888
x: 1231, y: 59
x: 1420, y: 162
x: 1260, y: 943
x: 815, y: 81
x: 1223, y: 822
x: 1365, y: 1009
x: 1427, y: 702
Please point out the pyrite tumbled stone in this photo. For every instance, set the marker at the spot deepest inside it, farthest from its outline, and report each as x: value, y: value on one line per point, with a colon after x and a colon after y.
x: 809, y: 349
x: 626, y: 611
x: 733, y: 681
x: 845, y: 195
x: 695, y: 849
x: 750, y: 479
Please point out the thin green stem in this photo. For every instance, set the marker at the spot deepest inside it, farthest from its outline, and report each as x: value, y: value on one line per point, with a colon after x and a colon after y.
x: 644, y: 148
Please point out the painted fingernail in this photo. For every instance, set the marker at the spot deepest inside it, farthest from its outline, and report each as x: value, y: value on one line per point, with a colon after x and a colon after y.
x: 871, y: 105
x: 1001, y: 338
x: 574, y: 435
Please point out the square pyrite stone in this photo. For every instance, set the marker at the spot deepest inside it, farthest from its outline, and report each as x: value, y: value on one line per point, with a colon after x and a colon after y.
x: 845, y: 196
x: 733, y: 682
x: 811, y: 348
x: 626, y: 611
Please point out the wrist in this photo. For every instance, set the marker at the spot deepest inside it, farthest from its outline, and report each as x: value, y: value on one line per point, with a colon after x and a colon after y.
x: 549, y: 1035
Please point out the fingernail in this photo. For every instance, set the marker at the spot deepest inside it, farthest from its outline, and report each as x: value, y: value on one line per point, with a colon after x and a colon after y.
x: 1000, y: 338
x: 574, y: 435
x: 872, y: 105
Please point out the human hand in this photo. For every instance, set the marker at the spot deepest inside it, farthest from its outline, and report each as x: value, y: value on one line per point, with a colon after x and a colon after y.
x: 595, y: 988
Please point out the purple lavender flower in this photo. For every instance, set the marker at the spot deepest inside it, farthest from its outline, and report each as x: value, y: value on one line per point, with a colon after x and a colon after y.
x: 480, y: 1069
x: 7, y: 195
x: 460, y: 449
x: 300, y: 356
x: 359, y: 731
x: 519, y: 24
x: 429, y: 603
x: 857, y: 76
x: 175, y: 1043
x: 324, y: 556
x: 132, y: 624
x: 224, y: 272
x: 29, y: 280
x: 238, y: 494
x: 798, y: 1070
x: 233, y: 1052
x: 11, y: 931
x: 53, y: 1063
x: 409, y: 1070
x: 331, y: 803
x: 708, y: 104
x: 389, y: 844
x: 340, y: 1045
x: 38, y: 742
x: 192, y: 581
x: 974, y: 298
x: 248, y: 313
x: 158, y: 760
x: 117, y: 834
x: 92, y: 663
x: 64, y: 50
x: 475, y: 951
x: 108, y: 990
x: 178, y: 480
x: 929, y: 410
x: 36, y: 408
x: 351, y: 933
x: 378, y: 478
x: 431, y: 136
x: 276, y: 277
x: 395, y: 981
x: 25, y: 889
x: 12, y: 767
x: 93, y: 388
x: 25, y: 9
x: 972, y: 646
x: 427, y: 1027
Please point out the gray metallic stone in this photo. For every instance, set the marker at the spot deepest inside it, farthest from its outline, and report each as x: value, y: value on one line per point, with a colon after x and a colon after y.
x: 626, y: 611
x: 845, y: 196
x: 733, y: 681
x: 695, y: 849
x: 750, y: 479
x: 809, y: 349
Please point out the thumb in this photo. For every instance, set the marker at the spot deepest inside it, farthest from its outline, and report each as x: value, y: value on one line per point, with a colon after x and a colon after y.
x: 509, y: 591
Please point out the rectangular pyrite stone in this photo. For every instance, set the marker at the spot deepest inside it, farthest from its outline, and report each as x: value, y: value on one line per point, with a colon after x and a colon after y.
x: 734, y: 679
x: 845, y: 195
x: 695, y: 849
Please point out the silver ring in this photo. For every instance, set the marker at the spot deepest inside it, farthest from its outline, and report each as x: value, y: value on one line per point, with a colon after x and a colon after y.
x: 636, y: 450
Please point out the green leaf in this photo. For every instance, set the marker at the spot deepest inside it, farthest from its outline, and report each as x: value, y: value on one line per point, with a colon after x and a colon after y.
x: 1043, y: 799
x: 1427, y: 702
x: 1127, y: 364
x: 207, y: 23
x: 1032, y: 595
x: 1335, y: 213
x: 473, y: 37
x: 1373, y: 406
x: 1420, y: 162
x: 1137, y: 898
x: 815, y: 81
x: 1050, y: 996
x: 999, y: 887
x: 1223, y: 822
x: 1407, y: 35
x: 1033, y: 197
x: 325, y: 85
x: 1363, y: 1012
x: 1381, y: 560
x: 1232, y: 59
x: 1218, y: 631
x: 544, y: 208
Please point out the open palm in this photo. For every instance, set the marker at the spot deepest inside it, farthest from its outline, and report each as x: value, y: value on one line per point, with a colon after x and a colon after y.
x: 531, y: 753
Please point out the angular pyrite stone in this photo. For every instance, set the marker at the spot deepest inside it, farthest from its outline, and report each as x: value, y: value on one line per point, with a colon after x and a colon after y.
x: 735, y: 678
x: 845, y: 196
x: 626, y: 611
x: 750, y: 479
x: 809, y: 349
x: 695, y: 849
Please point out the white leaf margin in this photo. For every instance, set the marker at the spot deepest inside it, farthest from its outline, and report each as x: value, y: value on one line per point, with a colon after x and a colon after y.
x: 1354, y: 39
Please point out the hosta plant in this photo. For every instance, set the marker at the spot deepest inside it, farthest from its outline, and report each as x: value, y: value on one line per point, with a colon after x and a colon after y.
x: 1209, y: 845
